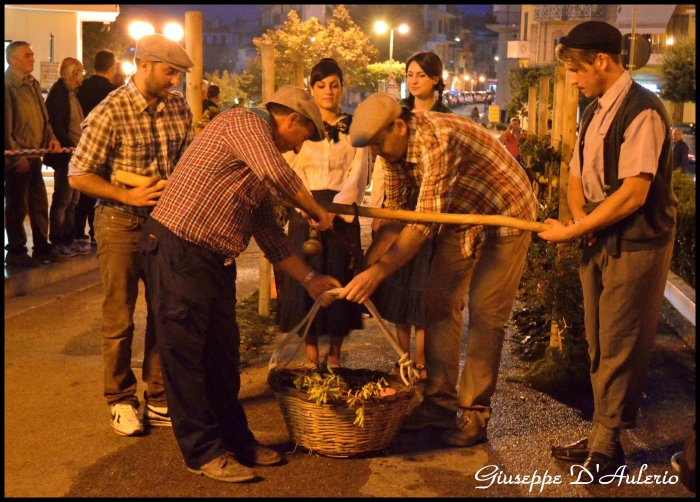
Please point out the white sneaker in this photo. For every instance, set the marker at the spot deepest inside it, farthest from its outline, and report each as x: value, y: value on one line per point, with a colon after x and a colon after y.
x: 157, y: 416
x: 125, y: 420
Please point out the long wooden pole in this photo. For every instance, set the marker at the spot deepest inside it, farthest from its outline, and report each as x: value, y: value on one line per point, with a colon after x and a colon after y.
x: 422, y: 217
x: 267, y: 54
x: 543, y: 112
x: 532, y: 110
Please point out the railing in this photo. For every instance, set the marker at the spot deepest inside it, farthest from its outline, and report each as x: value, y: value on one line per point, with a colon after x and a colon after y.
x: 548, y: 12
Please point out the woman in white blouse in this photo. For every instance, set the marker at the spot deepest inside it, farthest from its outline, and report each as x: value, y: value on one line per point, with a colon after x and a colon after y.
x: 333, y: 171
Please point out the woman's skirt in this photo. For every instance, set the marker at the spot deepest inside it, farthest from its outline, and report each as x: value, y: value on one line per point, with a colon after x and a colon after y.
x: 293, y: 302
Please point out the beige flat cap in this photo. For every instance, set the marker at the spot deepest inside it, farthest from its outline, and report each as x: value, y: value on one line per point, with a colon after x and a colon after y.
x: 158, y: 48
x: 371, y: 116
x: 301, y: 102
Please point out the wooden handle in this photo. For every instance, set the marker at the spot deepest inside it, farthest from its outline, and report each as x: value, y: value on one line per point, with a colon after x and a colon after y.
x: 136, y: 180
x: 448, y: 218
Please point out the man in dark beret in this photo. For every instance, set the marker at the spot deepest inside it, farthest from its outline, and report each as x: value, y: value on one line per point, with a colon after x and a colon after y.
x: 623, y: 208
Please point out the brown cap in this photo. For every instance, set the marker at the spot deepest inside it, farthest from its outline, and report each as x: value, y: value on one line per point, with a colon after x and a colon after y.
x: 372, y: 115
x: 158, y: 48
x: 301, y: 102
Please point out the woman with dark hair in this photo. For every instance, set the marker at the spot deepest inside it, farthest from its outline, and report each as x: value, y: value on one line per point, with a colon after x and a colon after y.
x: 334, y: 171
x: 399, y: 298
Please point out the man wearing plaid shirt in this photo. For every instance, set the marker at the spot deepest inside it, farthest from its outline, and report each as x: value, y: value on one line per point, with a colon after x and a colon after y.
x: 458, y: 167
x: 140, y: 128
x: 220, y: 196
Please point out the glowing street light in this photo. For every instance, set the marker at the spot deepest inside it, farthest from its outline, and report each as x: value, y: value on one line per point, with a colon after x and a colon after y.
x: 381, y: 27
x: 173, y: 31
x: 127, y: 67
x: 669, y: 41
x: 138, y: 29
x: 445, y: 75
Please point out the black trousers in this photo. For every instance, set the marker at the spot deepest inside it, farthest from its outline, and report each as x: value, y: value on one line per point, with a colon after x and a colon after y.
x: 193, y: 297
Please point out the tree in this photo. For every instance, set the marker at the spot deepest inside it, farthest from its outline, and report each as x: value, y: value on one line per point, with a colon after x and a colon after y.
x: 678, y: 77
x: 99, y: 36
x: 380, y: 71
x: 520, y: 80
x: 308, y: 42
x: 230, y: 85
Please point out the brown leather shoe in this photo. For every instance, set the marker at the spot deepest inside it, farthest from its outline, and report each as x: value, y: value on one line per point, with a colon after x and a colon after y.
x: 574, y: 452
x: 599, y: 465
x: 469, y: 429
x: 253, y: 453
x: 225, y: 468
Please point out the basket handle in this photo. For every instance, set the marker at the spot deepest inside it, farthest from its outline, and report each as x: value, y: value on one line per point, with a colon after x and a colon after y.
x: 408, y: 373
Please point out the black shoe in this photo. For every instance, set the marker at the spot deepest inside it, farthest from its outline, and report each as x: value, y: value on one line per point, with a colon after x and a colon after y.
x: 254, y: 453
x: 574, y: 452
x: 599, y: 465
x: 22, y: 260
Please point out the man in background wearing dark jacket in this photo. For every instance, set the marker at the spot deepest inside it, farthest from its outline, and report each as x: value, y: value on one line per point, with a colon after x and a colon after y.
x: 94, y: 89
x: 65, y: 116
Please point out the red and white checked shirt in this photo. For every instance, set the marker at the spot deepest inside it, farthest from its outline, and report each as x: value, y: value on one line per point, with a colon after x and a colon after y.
x: 123, y: 133
x: 218, y: 195
x: 459, y: 167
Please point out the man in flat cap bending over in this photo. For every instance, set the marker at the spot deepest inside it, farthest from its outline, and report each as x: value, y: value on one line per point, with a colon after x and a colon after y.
x: 140, y: 128
x: 623, y: 208
x: 217, y: 198
x: 458, y: 167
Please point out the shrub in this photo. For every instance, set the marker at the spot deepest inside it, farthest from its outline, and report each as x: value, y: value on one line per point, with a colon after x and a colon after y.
x: 683, y: 260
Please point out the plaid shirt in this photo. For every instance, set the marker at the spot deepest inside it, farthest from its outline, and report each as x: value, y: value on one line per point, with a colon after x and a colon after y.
x: 459, y: 167
x: 123, y: 133
x: 218, y: 196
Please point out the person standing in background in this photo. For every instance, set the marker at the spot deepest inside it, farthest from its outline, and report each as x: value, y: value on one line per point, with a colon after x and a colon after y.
x: 400, y: 298
x: 95, y: 88
x: 680, y: 151
x: 27, y: 126
x: 141, y: 128
x: 334, y: 171
x: 66, y: 117
x: 511, y: 139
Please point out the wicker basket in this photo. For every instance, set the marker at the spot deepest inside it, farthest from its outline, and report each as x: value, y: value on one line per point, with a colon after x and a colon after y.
x: 327, y: 429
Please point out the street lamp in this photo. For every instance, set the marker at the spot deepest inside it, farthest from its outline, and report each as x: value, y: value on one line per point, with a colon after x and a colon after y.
x: 138, y: 29
x: 381, y: 27
x: 173, y: 31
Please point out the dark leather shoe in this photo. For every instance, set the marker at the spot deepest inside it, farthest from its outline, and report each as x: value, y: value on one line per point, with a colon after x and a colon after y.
x: 574, y: 452
x: 599, y: 465
x: 253, y: 453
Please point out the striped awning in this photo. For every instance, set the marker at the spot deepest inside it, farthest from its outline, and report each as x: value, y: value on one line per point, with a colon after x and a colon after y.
x: 650, y: 18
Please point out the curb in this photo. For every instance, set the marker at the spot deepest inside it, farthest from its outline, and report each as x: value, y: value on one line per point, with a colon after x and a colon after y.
x: 25, y: 281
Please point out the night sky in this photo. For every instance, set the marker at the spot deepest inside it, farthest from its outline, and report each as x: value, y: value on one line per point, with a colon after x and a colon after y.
x: 228, y: 13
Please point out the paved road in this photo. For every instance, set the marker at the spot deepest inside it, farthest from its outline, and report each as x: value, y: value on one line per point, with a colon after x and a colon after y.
x: 58, y: 441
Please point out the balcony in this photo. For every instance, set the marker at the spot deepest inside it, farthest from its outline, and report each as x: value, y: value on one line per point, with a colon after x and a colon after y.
x: 569, y: 12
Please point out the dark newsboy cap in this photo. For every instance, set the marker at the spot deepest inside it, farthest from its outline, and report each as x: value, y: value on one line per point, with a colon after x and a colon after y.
x: 158, y: 48
x: 596, y: 36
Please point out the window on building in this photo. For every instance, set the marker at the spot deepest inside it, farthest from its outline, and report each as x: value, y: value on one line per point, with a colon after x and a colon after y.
x: 526, y: 25
x: 440, y: 25
x: 277, y: 19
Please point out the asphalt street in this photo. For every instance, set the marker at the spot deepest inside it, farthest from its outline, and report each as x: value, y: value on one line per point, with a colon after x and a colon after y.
x: 58, y: 441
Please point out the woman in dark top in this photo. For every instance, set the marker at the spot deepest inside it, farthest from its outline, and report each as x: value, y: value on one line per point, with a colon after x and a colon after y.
x: 399, y: 298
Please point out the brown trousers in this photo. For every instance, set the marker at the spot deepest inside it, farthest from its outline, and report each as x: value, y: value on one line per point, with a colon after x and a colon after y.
x: 622, y: 299
x: 491, y: 277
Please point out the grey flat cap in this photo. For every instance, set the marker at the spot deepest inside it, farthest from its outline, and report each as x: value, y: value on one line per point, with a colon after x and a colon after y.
x: 301, y: 102
x: 158, y: 48
x: 371, y: 116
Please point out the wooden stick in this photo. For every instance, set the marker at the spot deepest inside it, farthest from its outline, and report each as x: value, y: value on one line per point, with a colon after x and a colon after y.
x: 422, y: 217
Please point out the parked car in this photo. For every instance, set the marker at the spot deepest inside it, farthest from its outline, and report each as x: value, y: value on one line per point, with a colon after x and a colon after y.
x: 480, y: 97
x: 448, y: 99
x: 468, y: 97
x: 455, y: 96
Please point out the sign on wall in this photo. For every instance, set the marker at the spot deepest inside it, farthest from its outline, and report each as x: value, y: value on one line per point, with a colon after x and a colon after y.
x: 49, y: 73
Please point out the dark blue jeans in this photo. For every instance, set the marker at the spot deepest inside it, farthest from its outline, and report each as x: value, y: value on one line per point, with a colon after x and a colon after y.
x: 193, y: 296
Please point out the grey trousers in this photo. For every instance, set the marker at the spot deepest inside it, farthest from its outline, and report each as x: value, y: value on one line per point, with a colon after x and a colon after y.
x: 622, y: 303
x: 491, y: 277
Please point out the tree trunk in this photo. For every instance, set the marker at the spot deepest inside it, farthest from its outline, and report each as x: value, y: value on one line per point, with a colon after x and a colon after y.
x: 677, y: 116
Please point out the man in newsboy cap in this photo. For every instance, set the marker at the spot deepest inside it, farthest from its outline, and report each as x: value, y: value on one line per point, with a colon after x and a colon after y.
x: 141, y: 128
x: 220, y: 196
x: 456, y: 166
x: 623, y: 208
